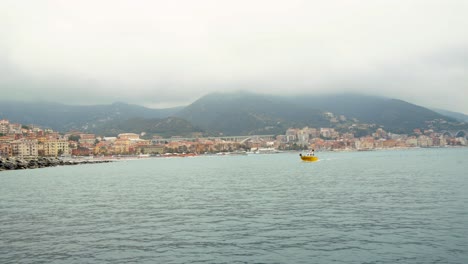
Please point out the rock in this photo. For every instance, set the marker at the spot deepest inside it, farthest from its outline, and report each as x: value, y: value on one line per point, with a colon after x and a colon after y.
x: 41, y: 162
x: 10, y: 165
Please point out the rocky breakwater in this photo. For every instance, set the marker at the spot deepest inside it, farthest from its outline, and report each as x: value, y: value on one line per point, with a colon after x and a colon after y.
x: 41, y: 162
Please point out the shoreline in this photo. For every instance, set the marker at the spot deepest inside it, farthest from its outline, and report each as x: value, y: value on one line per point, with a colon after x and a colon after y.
x: 17, y: 163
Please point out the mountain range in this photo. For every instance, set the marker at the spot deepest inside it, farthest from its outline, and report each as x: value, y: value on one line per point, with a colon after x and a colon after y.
x: 229, y: 114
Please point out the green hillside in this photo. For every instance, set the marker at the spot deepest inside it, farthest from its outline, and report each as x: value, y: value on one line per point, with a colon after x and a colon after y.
x: 245, y: 113
x: 248, y: 113
x: 394, y: 115
x: 62, y: 117
x: 232, y: 114
x: 167, y: 127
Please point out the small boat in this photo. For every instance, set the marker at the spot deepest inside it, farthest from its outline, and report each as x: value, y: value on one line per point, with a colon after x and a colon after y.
x: 308, y: 157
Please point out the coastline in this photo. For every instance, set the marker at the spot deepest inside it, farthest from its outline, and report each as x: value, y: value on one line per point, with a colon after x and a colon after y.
x: 17, y: 163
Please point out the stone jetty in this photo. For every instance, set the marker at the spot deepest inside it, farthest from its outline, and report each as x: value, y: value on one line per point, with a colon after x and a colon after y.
x: 14, y: 163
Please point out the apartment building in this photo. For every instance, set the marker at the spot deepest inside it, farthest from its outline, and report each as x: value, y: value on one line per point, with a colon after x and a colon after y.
x: 15, y: 129
x: 5, y: 150
x: 152, y: 149
x: 4, y: 126
x: 303, y: 137
x: 328, y: 132
x: 291, y: 134
x: 24, y: 148
x: 121, y: 146
x: 87, y: 138
x: 56, y: 147
x: 425, y: 141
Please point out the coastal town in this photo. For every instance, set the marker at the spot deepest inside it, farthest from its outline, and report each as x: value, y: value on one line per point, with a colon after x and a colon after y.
x: 30, y: 141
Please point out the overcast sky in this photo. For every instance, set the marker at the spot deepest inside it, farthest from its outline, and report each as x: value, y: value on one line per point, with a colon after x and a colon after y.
x: 171, y: 52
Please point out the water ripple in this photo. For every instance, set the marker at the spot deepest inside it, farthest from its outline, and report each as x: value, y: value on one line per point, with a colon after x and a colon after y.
x: 350, y: 208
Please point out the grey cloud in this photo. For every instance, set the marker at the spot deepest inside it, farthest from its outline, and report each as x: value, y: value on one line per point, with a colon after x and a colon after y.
x: 161, y: 53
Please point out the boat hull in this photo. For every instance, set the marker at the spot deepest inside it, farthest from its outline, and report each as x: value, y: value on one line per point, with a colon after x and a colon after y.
x: 309, y: 158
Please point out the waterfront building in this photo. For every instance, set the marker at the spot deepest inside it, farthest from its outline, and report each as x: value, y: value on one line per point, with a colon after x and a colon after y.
x: 424, y: 141
x: 461, y: 141
x: 56, y: 147
x: 389, y: 143
x: 102, y: 148
x: 5, y: 150
x: 412, y: 141
x: 121, y: 146
x: 81, y: 152
x: 366, y: 143
x: 151, y: 149
x: 25, y: 148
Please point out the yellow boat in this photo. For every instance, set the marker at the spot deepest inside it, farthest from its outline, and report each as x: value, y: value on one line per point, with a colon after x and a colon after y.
x: 308, y: 158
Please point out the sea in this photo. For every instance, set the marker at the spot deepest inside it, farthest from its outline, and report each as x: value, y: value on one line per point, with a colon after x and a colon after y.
x: 389, y: 206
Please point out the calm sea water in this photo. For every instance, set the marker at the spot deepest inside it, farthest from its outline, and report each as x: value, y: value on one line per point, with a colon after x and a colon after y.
x: 363, y: 207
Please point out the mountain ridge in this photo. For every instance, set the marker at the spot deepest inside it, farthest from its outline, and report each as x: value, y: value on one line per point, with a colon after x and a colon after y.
x: 458, y: 116
x: 240, y: 113
x: 62, y: 117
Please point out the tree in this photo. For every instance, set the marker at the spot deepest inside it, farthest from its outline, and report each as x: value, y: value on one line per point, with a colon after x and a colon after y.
x: 362, y: 132
x: 75, y: 138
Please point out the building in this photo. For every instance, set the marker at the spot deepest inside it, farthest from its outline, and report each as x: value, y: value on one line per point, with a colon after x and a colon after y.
x: 151, y: 149
x: 15, y: 129
x: 313, y: 132
x: 4, y: 126
x: 5, y: 150
x: 103, y: 148
x: 303, y: 137
x: 364, y: 143
x: 81, y: 152
x: 291, y: 134
x: 87, y: 138
x: 53, y: 135
x: 425, y: 141
x: 7, y: 138
x: 411, y: 141
x: 328, y: 132
x: 25, y: 148
x: 56, y: 147
x: 121, y: 146
x: 131, y: 136
x: 380, y: 133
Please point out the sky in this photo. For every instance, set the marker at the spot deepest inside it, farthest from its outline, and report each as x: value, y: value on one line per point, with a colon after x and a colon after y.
x: 170, y: 53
